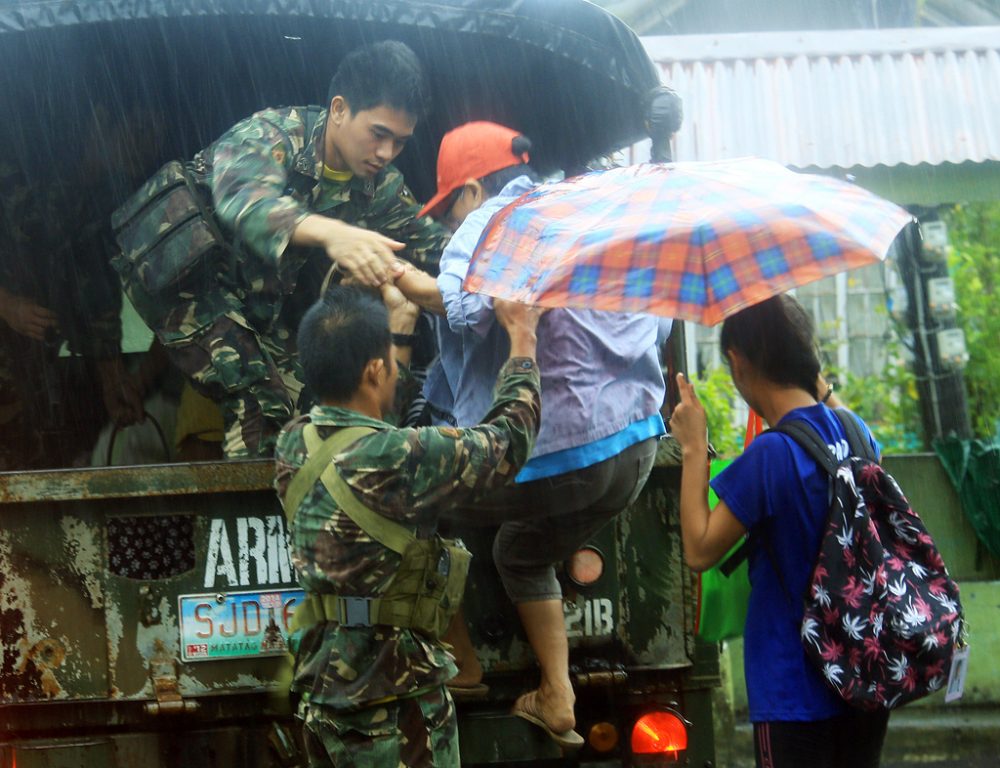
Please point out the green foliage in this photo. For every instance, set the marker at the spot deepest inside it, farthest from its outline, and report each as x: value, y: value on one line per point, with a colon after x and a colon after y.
x: 974, y: 232
x: 888, y: 403
x: 719, y: 397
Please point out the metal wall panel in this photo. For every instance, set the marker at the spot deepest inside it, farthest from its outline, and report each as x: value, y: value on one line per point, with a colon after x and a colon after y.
x: 837, y: 99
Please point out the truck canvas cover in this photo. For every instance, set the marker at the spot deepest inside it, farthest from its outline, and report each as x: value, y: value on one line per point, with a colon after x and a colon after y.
x: 566, y: 73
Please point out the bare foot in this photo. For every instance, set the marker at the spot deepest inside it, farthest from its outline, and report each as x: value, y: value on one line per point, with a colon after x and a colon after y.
x: 556, y: 706
x: 470, y: 673
x: 553, y: 711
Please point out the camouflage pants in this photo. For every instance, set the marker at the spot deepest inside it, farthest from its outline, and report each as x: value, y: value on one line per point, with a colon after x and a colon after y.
x: 251, y: 377
x: 419, y: 732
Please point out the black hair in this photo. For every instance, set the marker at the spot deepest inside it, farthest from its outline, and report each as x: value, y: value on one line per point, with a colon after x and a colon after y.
x: 777, y: 337
x: 338, y: 336
x: 496, y: 181
x: 385, y: 73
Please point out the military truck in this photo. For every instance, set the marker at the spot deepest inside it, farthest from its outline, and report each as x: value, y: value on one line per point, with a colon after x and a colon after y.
x: 144, y: 610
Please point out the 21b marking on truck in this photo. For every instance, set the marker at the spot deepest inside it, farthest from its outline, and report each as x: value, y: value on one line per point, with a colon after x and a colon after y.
x: 253, y: 552
x: 589, y: 618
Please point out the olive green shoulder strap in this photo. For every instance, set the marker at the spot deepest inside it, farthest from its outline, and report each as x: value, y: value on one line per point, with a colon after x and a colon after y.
x: 387, y: 533
x: 320, y: 466
x: 316, y: 461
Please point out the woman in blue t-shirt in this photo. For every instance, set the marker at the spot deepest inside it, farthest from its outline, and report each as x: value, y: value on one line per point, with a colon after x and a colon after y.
x: 778, y: 493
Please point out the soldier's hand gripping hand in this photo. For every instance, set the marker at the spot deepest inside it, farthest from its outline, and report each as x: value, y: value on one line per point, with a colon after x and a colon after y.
x: 521, y: 323
x: 367, y: 256
x: 688, y: 422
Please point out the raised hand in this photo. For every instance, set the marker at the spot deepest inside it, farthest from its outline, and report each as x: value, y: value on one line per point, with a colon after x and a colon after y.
x: 403, y: 313
x: 521, y: 323
x: 688, y: 422
x: 514, y: 314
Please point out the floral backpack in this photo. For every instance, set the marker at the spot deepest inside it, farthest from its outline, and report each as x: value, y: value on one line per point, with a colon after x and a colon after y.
x: 882, y: 615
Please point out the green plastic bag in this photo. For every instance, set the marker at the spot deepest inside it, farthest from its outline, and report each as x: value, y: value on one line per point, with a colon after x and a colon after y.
x: 723, y: 600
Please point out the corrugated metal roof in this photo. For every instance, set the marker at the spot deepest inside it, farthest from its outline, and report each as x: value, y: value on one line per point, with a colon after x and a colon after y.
x: 837, y: 99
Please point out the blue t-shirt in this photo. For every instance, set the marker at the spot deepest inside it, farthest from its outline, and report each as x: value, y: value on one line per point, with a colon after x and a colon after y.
x: 775, y: 483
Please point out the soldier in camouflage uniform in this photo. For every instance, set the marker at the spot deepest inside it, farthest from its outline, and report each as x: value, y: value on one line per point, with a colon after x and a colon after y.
x: 375, y: 695
x: 297, y: 190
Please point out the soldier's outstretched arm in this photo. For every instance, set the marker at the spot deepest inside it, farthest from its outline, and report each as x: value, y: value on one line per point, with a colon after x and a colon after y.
x: 250, y: 170
x: 414, y: 474
x: 403, y: 315
x: 492, y: 454
x: 424, y: 238
x: 251, y: 166
x: 521, y: 323
x: 367, y: 256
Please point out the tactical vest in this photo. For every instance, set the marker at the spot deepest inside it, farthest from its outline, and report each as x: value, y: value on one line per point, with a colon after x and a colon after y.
x: 426, y: 590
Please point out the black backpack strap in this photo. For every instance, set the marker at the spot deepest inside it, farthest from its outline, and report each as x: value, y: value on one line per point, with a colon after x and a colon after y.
x: 297, y: 181
x: 807, y: 437
x: 856, y: 439
x: 312, y: 115
x: 731, y: 563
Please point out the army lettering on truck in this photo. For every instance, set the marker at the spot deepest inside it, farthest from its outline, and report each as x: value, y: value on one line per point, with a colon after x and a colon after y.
x: 242, y: 552
x: 255, y: 554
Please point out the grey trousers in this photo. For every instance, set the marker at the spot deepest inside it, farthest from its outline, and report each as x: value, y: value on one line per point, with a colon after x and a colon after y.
x: 543, y: 522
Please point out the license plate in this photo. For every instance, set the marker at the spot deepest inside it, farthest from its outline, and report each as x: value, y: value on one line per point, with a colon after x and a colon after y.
x: 236, y: 625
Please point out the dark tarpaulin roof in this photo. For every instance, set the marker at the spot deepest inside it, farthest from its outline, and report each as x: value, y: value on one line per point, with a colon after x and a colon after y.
x: 564, y: 72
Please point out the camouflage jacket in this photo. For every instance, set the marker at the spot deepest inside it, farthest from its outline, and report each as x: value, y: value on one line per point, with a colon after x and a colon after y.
x: 265, y: 175
x: 54, y: 249
x: 410, y: 476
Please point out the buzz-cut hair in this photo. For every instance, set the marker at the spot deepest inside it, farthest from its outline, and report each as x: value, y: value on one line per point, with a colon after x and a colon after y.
x: 338, y: 336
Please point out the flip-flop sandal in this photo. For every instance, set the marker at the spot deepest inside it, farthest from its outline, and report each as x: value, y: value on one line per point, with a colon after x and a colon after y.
x: 568, y: 739
x: 474, y: 692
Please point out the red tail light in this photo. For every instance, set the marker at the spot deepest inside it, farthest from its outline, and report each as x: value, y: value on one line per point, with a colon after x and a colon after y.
x: 659, y: 733
x: 585, y: 566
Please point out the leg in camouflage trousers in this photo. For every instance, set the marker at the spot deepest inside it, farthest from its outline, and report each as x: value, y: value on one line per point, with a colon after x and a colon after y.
x: 233, y: 366
x: 418, y: 732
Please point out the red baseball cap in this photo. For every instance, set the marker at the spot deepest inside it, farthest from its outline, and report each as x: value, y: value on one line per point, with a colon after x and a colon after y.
x: 471, y: 151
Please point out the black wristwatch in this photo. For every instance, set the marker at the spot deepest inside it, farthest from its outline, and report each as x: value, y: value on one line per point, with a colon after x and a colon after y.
x: 403, y: 339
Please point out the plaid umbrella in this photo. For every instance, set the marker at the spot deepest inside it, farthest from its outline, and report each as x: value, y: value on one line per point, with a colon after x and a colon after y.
x: 696, y: 241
